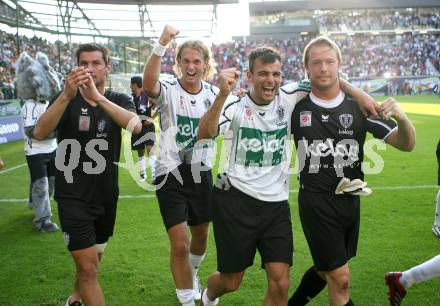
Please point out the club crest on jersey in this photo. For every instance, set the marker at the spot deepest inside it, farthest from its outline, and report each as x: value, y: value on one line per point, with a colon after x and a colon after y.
x: 101, y: 128
x: 280, y: 112
x: 346, y: 120
x: 305, y: 119
x: 207, y: 103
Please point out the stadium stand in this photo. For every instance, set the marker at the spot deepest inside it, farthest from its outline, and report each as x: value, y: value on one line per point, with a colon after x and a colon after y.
x: 363, y: 20
x: 376, y: 41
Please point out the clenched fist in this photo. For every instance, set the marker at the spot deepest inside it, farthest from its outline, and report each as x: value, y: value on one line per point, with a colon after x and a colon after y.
x: 168, y: 33
x: 227, y: 80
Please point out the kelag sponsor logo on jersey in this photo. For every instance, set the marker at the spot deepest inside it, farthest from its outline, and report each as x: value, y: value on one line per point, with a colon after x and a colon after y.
x: 260, y: 149
x: 187, y: 134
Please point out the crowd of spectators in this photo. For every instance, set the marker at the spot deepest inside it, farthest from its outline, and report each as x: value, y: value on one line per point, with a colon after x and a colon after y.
x: 345, y: 20
x: 363, y: 56
x: 10, y: 52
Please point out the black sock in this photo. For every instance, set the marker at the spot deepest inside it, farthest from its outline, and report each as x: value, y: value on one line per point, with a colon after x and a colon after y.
x: 349, y: 303
x: 311, y: 284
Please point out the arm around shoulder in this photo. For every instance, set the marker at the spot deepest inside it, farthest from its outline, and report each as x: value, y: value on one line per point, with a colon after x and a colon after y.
x: 367, y: 104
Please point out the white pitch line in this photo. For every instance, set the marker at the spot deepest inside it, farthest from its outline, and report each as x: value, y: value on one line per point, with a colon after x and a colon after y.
x: 150, y: 196
x: 390, y: 188
x: 122, y: 197
x: 14, y: 200
x: 405, y: 187
x: 12, y: 169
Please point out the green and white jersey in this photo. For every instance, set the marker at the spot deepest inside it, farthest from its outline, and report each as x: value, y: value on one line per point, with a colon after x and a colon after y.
x: 257, y: 143
x: 179, y: 116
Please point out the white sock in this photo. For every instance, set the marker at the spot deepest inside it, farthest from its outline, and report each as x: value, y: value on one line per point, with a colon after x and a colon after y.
x: 207, y: 301
x: 196, y: 261
x: 185, y: 296
x: 152, y: 161
x: 142, y: 163
x: 423, y: 272
x: 437, y: 210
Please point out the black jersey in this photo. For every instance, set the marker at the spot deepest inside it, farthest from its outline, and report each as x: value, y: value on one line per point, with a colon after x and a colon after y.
x: 329, y: 137
x: 143, y: 106
x: 87, y: 136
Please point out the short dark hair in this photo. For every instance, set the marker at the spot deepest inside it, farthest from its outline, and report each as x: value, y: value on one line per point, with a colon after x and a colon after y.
x: 266, y: 54
x: 136, y: 80
x: 90, y: 47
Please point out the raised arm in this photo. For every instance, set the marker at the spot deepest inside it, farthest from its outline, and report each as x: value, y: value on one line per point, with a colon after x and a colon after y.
x: 49, y: 120
x: 368, y: 106
x: 404, y: 137
x: 208, y: 126
x: 150, y: 81
x: 120, y: 115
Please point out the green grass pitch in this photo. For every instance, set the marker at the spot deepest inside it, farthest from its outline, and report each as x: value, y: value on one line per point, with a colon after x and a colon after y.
x: 36, y: 269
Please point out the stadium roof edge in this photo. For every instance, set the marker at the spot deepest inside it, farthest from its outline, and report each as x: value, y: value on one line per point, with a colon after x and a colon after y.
x: 159, y: 2
x: 275, y: 6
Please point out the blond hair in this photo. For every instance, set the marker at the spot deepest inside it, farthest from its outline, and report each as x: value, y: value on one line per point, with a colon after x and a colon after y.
x: 204, y: 50
x: 321, y: 40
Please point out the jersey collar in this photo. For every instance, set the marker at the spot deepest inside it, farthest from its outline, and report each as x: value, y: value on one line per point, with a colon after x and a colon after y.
x: 328, y: 103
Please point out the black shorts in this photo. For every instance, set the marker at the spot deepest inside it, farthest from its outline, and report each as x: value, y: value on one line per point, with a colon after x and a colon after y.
x: 331, y: 226
x: 242, y: 225
x: 85, y: 225
x: 148, y: 137
x: 41, y: 165
x: 188, y: 202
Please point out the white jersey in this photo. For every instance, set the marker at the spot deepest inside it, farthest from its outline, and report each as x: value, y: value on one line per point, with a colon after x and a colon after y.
x: 30, y: 112
x: 179, y: 116
x: 257, y: 143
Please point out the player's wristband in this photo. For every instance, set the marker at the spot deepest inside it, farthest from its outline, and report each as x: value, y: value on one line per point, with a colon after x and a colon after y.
x: 159, y: 50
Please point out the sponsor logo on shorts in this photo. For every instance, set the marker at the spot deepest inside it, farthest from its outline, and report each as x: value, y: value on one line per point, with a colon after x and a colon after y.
x: 66, y: 238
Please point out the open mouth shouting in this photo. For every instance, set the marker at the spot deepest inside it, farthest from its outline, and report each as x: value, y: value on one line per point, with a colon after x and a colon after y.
x: 191, y: 75
x: 268, y: 91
